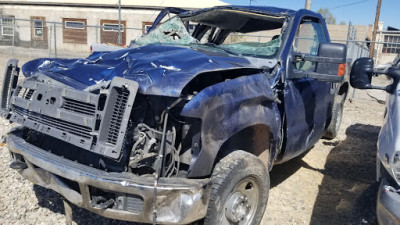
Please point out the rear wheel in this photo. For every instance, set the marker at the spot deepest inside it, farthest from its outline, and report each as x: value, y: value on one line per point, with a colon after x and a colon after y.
x: 334, y: 126
x: 239, y: 191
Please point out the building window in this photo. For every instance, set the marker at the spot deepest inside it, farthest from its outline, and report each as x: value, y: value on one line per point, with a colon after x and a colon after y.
x: 74, y: 31
x: 7, y: 26
x: 38, y: 28
x: 39, y: 34
x: 391, y: 48
x: 74, y: 25
x: 146, y: 26
x: 110, y: 31
x: 112, y: 27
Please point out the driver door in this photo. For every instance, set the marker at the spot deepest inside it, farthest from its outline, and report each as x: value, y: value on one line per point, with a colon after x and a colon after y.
x: 307, y: 102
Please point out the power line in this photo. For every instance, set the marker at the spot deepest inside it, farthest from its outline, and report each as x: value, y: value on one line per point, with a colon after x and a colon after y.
x: 350, y: 4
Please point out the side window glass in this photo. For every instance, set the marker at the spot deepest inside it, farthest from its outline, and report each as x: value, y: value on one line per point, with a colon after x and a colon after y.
x: 309, y: 36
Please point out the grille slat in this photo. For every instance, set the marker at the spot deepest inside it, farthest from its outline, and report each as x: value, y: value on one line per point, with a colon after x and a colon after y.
x: 29, y: 94
x: 72, y: 128
x: 117, y: 115
x: 79, y: 107
x: 26, y: 93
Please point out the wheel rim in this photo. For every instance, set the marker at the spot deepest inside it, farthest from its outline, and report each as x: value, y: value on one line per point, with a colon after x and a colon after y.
x: 242, y: 203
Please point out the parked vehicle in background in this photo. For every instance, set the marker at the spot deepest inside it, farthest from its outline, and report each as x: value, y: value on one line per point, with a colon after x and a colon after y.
x: 100, y: 47
x: 388, y: 155
x: 187, y: 125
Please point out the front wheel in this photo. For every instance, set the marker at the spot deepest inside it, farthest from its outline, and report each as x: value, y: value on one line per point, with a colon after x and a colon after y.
x: 239, y: 192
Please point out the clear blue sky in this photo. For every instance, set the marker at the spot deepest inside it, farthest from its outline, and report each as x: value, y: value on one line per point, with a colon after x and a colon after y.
x: 359, y: 12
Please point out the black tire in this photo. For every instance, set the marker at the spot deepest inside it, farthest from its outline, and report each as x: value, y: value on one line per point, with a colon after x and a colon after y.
x: 239, y: 192
x: 334, y: 126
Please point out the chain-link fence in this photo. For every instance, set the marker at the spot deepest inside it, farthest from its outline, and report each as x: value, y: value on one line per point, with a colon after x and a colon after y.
x: 36, y: 37
x: 69, y: 38
x: 355, y: 48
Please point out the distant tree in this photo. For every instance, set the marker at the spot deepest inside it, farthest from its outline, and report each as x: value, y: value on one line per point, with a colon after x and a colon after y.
x: 342, y: 23
x: 329, y: 18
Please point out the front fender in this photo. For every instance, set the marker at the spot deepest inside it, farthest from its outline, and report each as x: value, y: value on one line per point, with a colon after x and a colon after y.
x: 225, y: 109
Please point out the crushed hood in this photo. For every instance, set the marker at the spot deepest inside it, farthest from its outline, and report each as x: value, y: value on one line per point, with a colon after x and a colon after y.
x: 159, y: 69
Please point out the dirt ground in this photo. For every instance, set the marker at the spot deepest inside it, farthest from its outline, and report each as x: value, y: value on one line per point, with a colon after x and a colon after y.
x: 334, y: 183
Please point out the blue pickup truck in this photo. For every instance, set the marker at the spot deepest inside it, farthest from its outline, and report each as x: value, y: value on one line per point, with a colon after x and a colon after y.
x: 185, y: 126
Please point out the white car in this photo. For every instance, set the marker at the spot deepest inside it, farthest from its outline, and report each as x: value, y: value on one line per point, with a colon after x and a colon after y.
x: 98, y: 47
x: 388, y: 155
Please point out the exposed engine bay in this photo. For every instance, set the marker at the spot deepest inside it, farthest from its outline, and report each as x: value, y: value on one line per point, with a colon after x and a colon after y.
x: 111, y: 126
x: 120, y: 129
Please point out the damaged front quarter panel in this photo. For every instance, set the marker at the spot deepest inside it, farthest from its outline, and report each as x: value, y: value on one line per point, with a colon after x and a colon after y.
x: 227, y: 108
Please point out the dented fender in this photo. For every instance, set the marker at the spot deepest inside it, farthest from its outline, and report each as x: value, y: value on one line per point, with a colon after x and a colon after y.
x: 225, y: 109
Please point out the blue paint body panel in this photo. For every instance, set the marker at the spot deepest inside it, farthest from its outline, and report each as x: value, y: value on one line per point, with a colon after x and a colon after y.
x: 159, y: 69
x: 308, y: 102
x: 227, y: 108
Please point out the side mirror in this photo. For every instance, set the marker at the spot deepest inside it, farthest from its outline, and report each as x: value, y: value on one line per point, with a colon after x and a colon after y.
x: 362, y: 72
x: 337, y: 53
x: 330, y: 63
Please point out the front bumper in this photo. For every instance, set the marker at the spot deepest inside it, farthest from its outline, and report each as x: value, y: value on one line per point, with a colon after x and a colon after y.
x: 179, y: 200
x: 388, y: 204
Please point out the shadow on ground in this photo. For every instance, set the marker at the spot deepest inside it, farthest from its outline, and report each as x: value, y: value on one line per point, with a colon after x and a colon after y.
x: 49, y: 199
x: 53, y: 201
x: 347, y: 194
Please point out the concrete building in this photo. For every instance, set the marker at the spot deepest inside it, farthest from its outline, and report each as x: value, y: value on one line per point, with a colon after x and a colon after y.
x: 390, y: 47
x: 340, y: 32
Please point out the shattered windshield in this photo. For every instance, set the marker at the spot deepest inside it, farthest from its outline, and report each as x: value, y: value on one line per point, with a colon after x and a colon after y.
x: 172, y: 31
x: 250, y: 45
x: 254, y: 35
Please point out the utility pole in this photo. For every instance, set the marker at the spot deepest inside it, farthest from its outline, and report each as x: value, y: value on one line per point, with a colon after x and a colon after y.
x: 378, y: 13
x: 308, y: 4
x: 119, y: 24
